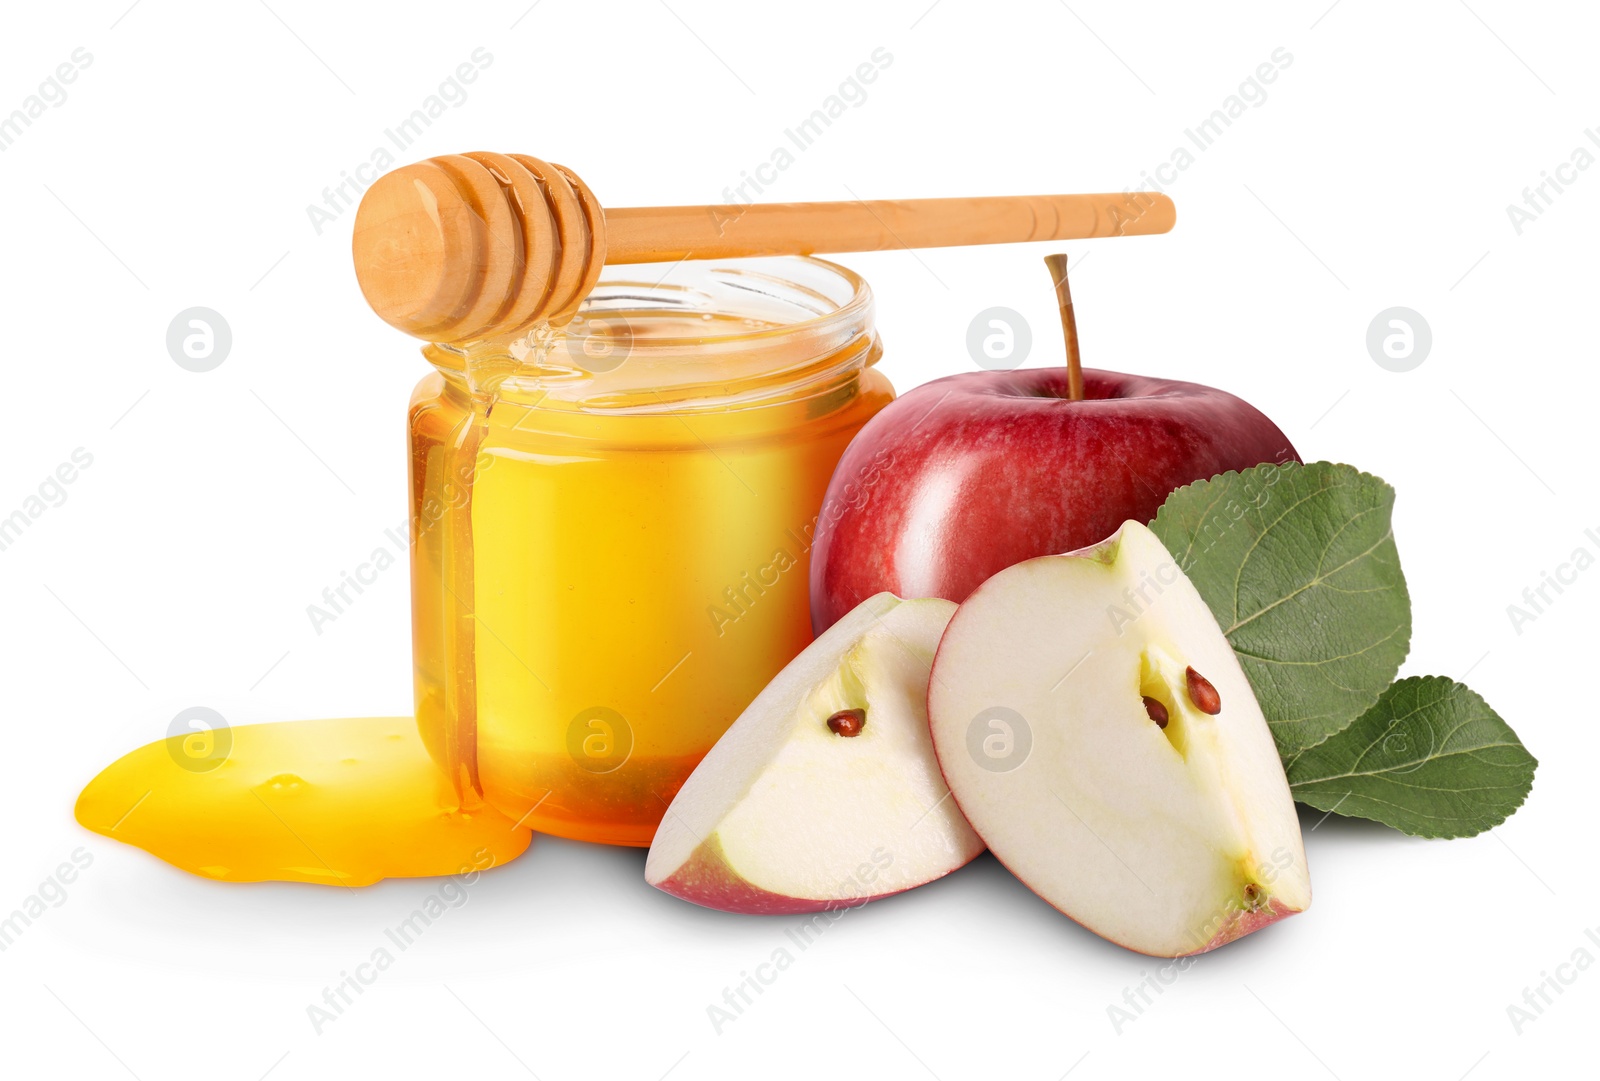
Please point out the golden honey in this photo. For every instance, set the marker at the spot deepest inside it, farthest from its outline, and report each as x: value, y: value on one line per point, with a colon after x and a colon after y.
x: 346, y: 802
x: 611, y: 526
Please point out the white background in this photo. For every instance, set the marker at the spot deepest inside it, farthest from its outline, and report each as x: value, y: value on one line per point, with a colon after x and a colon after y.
x: 177, y: 572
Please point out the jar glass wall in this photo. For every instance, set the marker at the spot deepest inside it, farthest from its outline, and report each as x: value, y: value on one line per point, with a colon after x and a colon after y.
x: 611, y: 526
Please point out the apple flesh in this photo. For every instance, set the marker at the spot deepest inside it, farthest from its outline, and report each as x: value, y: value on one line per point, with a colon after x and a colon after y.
x: 1098, y: 733
x: 966, y: 475
x: 824, y: 793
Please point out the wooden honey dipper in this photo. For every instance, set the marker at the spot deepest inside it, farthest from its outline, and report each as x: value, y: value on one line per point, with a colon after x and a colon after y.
x: 468, y: 247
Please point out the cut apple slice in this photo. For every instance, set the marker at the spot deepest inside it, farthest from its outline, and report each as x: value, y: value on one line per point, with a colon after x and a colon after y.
x: 824, y: 793
x: 1097, y: 731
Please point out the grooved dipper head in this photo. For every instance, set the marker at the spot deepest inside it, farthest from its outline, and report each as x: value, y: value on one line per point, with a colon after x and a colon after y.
x: 469, y: 247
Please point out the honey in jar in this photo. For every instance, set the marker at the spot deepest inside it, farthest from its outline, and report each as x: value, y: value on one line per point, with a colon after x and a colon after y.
x: 611, y: 525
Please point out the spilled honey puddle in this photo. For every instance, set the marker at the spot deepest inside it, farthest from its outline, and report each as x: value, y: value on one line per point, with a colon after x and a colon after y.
x: 347, y: 802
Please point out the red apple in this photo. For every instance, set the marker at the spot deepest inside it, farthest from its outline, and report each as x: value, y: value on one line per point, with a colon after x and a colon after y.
x: 970, y: 474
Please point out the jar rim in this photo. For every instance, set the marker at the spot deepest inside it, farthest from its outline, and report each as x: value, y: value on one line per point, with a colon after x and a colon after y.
x: 850, y: 309
x: 807, y: 325
x: 807, y: 322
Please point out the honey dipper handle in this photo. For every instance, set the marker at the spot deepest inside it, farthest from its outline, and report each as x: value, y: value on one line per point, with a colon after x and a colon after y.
x: 667, y: 233
x: 471, y: 247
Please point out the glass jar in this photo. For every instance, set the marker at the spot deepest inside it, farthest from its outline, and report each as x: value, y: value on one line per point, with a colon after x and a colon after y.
x: 610, y: 530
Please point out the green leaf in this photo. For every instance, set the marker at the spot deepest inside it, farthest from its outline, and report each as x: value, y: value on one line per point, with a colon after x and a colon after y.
x: 1298, y: 564
x: 1430, y: 759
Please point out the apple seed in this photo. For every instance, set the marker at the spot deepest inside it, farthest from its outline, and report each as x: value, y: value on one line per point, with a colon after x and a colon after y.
x: 1158, y: 712
x: 1202, y: 693
x: 849, y: 722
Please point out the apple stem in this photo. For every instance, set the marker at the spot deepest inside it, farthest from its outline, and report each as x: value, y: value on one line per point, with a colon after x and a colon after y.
x: 1069, y: 325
